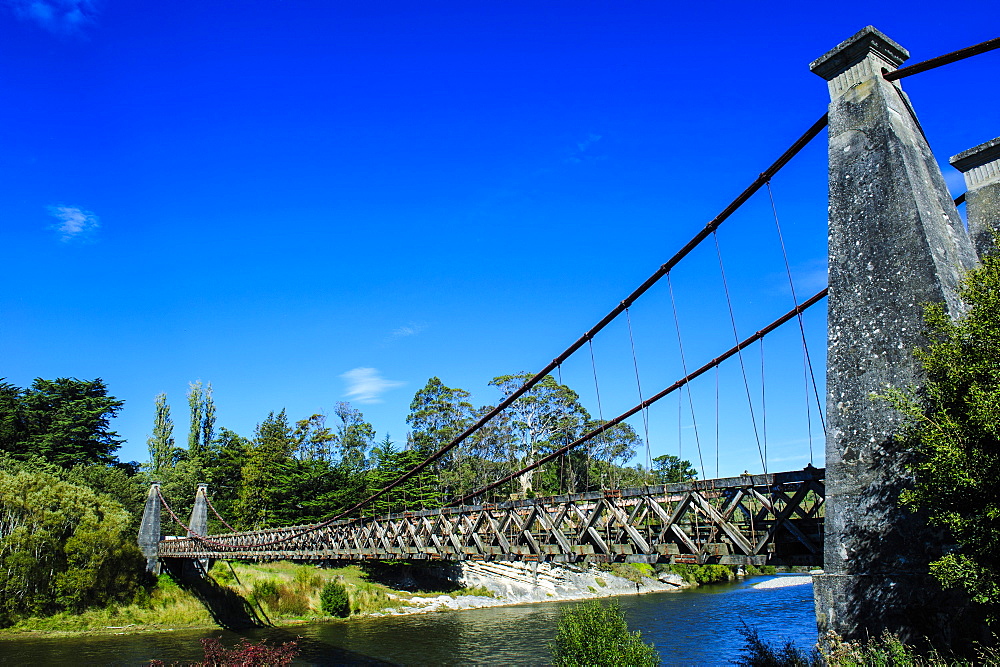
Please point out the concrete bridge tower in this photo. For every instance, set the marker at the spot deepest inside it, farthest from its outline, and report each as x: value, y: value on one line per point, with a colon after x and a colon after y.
x: 896, y: 241
x: 981, y: 166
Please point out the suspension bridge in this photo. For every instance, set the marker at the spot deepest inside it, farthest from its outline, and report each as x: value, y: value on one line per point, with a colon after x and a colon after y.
x: 896, y: 241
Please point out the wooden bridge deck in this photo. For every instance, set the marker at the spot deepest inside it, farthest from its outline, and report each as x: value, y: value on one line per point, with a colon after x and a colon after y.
x: 752, y: 519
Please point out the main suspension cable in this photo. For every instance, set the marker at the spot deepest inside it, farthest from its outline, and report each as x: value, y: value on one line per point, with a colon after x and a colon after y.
x: 945, y: 59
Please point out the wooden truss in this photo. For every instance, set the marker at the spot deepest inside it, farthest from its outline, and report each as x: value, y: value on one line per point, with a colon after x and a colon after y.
x: 751, y: 519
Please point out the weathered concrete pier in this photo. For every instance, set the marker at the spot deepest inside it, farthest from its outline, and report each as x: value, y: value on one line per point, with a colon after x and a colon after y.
x: 896, y: 241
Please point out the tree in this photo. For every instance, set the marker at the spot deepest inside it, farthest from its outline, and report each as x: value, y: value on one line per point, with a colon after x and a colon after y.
x: 354, y: 435
x: 543, y: 419
x: 670, y: 469
x: 438, y: 414
x: 207, y: 416
x: 12, y: 426
x: 612, y: 448
x: 202, y: 408
x: 272, y: 445
x: 593, y: 633
x: 161, y: 442
x: 67, y: 421
x: 62, y: 548
x: 196, y: 406
x: 313, y: 439
x: 420, y: 491
x: 952, y: 436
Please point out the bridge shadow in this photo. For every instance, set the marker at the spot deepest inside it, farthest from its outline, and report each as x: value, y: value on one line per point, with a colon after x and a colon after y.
x: 228, y: 609
x: 234, y: 613
x: 414, y: 576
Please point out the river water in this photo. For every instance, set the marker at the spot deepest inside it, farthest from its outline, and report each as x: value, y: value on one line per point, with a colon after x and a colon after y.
x: 691, y: 627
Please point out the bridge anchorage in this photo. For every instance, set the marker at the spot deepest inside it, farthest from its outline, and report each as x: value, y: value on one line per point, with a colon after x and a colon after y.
x: 774, y: 519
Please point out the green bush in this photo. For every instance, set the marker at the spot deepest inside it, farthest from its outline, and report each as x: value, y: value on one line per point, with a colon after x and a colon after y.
x: 703, y: 574
x: 265, y: 592
x: 334, y: 600
x: 634, y: 572
x: 593, y: 633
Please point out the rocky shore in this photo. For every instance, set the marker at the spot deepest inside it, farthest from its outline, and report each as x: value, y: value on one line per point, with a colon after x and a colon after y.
x: 519, y: 583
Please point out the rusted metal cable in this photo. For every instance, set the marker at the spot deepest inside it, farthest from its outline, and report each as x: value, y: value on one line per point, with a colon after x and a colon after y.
x: 649, y: 401
x: 946, y: 59
x: 217, y: 515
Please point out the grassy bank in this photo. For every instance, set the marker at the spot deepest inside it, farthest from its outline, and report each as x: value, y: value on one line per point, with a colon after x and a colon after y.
x: 280, y: 593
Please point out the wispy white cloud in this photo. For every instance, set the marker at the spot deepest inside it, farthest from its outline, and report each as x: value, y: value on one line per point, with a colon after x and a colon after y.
x: 74, y: 222
x: 366, y: 385
x: 411, y: 329
x: 57, y: 16
x: 581, y: 153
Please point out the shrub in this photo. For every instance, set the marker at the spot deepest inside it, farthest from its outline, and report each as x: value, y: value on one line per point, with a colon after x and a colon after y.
x: 306, y: 578
x: 634, y: 572
x: 702, y: 574
x: 265, y: 592
x: 758, y: 653
x: 596, y: 634
x: 244, y: 653
x: 334, y: 600
x: 292, y: 601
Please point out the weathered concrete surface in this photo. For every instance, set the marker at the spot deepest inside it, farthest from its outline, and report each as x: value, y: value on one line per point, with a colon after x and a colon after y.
x: 981, y: 167
x: 149, y: 529
x: 199, y: 512
x: 896, y: 242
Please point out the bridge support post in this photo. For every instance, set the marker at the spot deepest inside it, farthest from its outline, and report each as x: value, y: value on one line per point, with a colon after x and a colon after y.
x: 199, y: 512
x: 896, y: 241
x: 149, y: 529
x: 981, y: 167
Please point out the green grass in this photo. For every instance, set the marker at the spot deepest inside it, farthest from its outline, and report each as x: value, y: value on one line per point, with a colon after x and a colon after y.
x: 286, y: 592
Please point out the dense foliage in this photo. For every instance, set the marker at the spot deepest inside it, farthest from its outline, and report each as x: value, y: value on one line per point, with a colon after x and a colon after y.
x: 953, y: 435
x: 594, y: 633
x: 65, y: 421
x: 62, y: 548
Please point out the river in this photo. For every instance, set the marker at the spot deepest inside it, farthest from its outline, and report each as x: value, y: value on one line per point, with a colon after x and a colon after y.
x: 691, y: 627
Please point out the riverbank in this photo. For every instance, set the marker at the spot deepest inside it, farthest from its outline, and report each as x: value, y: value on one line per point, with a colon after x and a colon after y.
x: 285, y: 594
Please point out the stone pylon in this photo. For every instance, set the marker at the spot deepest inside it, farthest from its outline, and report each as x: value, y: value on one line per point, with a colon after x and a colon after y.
x: 199, y: 512
x: 896, y: 241
x: 981, y: 167
x: 149, y: 529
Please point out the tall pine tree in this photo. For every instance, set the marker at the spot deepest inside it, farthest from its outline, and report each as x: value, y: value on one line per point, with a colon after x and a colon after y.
x: 161, y: 442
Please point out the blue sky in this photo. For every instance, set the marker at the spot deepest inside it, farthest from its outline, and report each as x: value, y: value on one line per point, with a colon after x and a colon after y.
x: 307, y: 202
